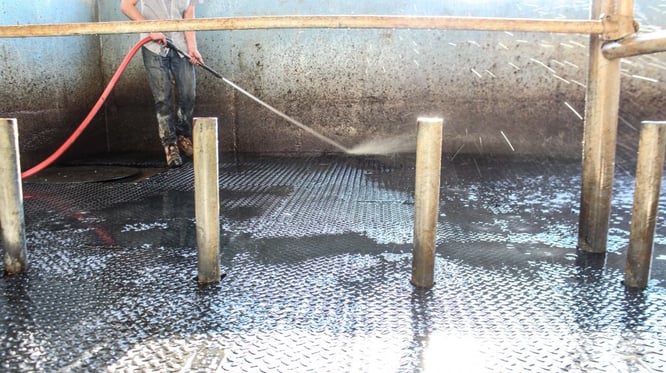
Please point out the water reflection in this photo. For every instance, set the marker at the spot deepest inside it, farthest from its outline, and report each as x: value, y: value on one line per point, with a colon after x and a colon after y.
x: 19, y: 333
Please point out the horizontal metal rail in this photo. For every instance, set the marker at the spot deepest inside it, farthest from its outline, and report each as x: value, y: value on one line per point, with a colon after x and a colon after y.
x: 294, y: 22
x: 636, y: 45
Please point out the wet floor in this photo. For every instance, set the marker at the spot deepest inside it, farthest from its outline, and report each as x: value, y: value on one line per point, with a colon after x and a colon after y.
x: 316, y: 254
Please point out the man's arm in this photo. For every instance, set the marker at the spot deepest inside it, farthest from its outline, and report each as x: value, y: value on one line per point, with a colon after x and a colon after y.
x: 191, y: 38
x: 129, y: 9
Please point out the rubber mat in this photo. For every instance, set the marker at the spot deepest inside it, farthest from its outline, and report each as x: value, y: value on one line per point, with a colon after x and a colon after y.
x: 83, y: 174
x: 317, y: 257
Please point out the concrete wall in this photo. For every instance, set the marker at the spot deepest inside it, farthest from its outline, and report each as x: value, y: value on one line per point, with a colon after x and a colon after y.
x: 498, y: 92
x: 49, y: 84
x: 354, y: 85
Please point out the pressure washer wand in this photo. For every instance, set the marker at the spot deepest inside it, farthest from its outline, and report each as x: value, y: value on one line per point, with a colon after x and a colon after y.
x: 260, y: 102
x: 174, y: 47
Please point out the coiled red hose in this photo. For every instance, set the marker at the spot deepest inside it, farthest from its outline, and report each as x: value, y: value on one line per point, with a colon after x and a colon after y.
x: 53, y: 157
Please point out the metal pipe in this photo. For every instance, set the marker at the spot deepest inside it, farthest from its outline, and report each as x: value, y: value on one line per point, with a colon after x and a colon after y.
x: 620, y: 16
x: 207, y: 198
x: 625, y: 8
x: 12, y: 219
x: 635, y: 45
x: 426, y: 199
x: 649, y: 170
x: 595, y: 26
x: 599, y: 141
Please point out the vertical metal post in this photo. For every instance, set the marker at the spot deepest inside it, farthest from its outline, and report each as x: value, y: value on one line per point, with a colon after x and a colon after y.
x: 649, y: 170
x: 12, y: 219
x: 625, y: 8
x: 426, y: 200
x: 207, y: 198
x: 600, y: 136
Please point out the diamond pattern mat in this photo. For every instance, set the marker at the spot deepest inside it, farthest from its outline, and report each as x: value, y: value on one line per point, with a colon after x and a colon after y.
x: 316, y: 254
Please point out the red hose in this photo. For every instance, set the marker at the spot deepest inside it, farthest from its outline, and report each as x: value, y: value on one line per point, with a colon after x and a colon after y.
x: 52, y: 158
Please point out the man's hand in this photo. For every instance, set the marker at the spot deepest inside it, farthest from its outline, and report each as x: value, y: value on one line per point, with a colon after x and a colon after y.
x: 158, y: 37
x: 195, y: 57
x: 129, y: 9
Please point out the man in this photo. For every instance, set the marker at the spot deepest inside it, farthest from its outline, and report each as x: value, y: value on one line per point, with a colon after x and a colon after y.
x: 162, y: 64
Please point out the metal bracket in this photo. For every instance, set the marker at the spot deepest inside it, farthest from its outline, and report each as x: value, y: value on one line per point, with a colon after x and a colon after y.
x: 618, y: 27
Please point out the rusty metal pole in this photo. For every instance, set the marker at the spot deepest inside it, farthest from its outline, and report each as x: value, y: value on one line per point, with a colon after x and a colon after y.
x: 636, y: 45
x: 594, y: 26
x: 207, y: 199
x: 426, y: 200
x: 649, y: 170
x: 12, y: 219
x: 600, y: 136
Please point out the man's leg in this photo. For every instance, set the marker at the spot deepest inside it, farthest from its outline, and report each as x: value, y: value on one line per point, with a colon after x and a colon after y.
x: 157, y: 69
x: 185, y: 79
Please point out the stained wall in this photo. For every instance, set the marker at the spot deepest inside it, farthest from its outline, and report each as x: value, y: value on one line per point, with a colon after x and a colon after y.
x: 499, y: 92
